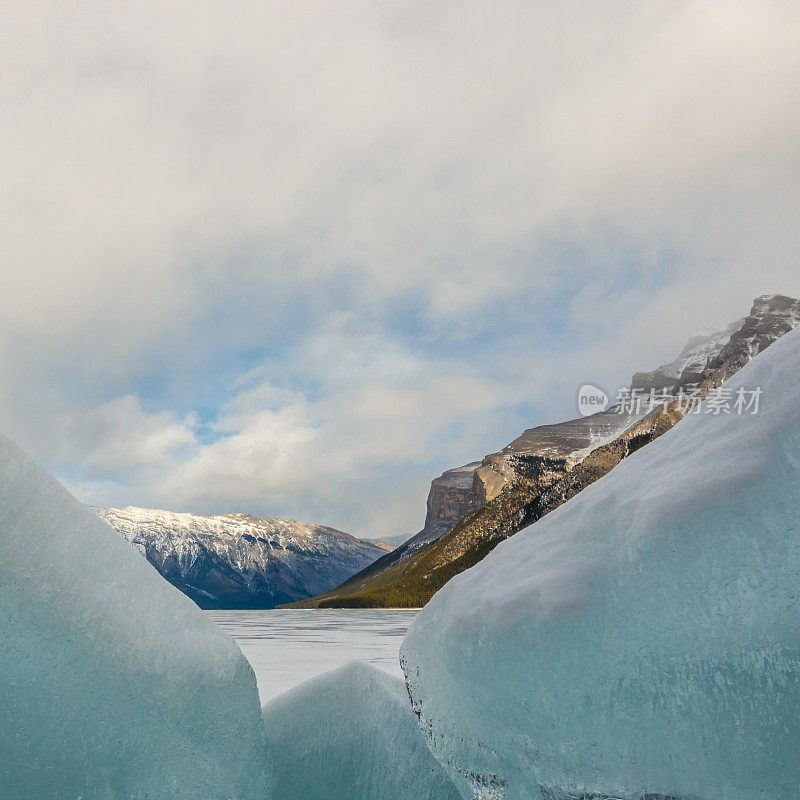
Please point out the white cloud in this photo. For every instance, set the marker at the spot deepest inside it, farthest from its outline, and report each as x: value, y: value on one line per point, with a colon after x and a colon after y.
x: 121, y: 441
x: 357, y: 191
x: 348, y: 453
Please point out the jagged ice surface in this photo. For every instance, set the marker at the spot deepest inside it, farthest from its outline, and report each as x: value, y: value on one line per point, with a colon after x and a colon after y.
x: 643, y: 637
x: 350, y: 735
x: 112, y: 684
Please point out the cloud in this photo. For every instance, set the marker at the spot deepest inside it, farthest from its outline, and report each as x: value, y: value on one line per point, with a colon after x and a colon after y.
x: 123, y: 442
x: 377, y: 422
x: 304, y: 254
x: 370, y: 433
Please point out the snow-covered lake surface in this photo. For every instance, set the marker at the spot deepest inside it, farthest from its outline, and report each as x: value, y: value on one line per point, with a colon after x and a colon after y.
x: 289, y: 647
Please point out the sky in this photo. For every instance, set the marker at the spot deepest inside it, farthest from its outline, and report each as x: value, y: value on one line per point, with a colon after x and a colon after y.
x: 296, y: 259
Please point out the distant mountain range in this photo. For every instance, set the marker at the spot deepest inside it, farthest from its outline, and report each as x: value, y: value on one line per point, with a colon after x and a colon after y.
x: 239, y: 561
x: 388, y: 543
x: 474, y: 507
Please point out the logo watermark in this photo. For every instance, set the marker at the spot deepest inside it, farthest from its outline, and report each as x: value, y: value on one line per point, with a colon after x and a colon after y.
x: 687, y: 399
x: 591, y: 399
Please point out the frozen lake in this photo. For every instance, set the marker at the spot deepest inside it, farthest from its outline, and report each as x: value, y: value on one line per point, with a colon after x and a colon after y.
x: 288, y: 647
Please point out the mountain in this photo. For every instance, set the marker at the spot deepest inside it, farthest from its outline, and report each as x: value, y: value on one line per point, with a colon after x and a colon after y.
x: 473, y: 508
x: 450, y: 499
x: 388, y: 543
x: 238, y: 561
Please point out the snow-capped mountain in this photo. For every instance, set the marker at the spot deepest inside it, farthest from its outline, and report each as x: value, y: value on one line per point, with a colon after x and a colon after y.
x: 239, y: 561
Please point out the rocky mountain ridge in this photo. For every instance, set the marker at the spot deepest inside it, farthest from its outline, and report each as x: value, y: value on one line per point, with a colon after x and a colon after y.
x: 548, y: 464
x: 239, y: 561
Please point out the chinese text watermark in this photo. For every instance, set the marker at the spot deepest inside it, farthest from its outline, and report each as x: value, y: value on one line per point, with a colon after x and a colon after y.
x: 687, y: 399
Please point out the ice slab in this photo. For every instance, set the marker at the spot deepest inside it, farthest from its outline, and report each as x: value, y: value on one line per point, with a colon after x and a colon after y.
x: 350, y: 735
x: 113, y: 685
x: 645, y: 636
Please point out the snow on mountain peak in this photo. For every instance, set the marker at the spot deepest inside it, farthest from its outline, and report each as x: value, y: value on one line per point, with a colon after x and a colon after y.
x: 238, y: 560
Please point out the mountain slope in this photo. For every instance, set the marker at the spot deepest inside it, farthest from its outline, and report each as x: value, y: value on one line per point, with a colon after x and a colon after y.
x: 238, y: 561
x: 547, y: 465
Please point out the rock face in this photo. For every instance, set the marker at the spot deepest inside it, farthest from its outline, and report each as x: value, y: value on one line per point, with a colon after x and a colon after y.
x: 771, y: 317
x: 450, y: 499
x: 691, y: 364
x: 550, y: 463
x: 558, y: 448
x: 452, y: 496
x: 238, y: 561
x: 709, y: 356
